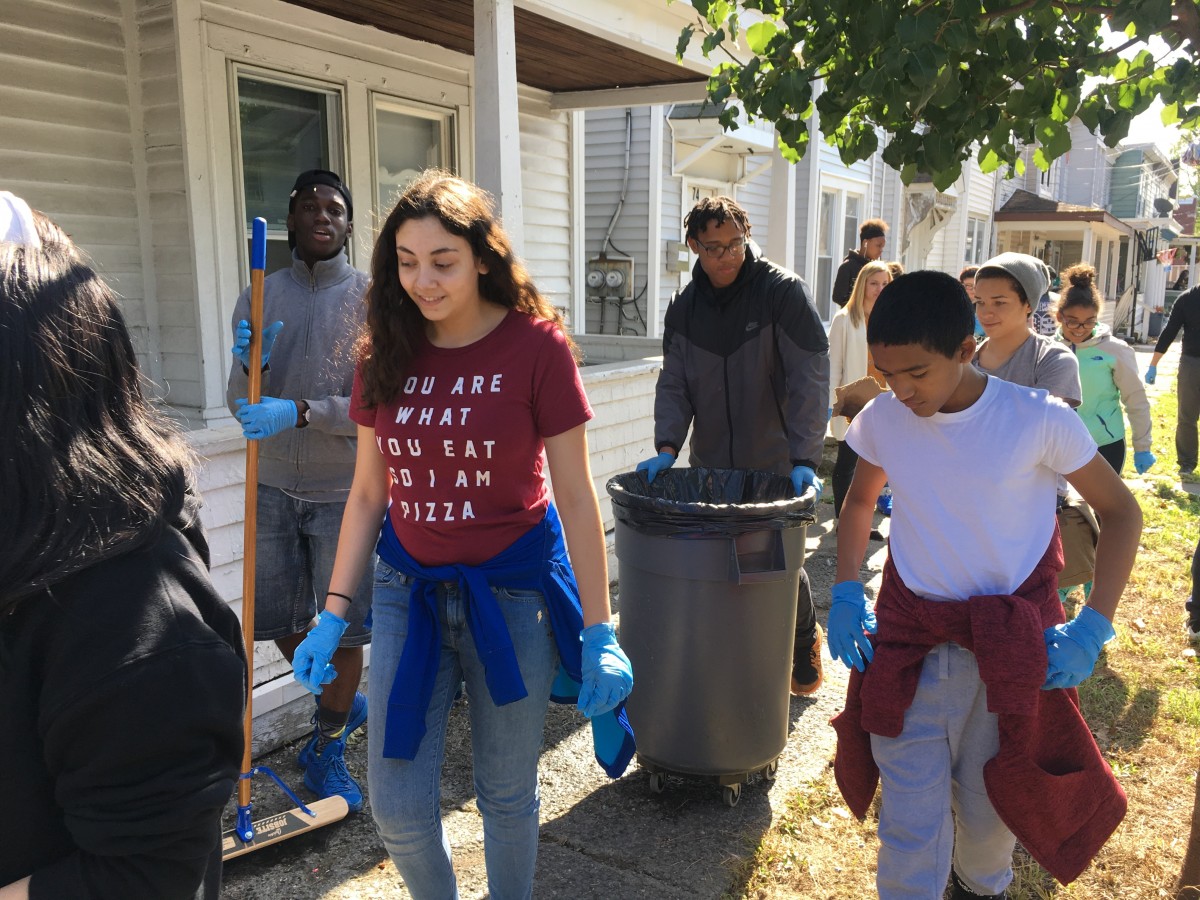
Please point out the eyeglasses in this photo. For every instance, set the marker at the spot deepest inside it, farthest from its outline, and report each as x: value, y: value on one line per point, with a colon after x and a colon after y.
x: 735, y: 248
x: 1075, y: 323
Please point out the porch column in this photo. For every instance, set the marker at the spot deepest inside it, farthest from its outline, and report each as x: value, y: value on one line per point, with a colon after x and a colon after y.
x: 497, y: 126
x: 1089, y: 246
x: 781, y: 215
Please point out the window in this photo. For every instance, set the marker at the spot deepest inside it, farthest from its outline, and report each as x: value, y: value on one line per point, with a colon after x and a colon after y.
x: 852, y: 219
x: 283, y: 128
x: 407, y: 140
x: 825, y: 252
x: 977, y: 243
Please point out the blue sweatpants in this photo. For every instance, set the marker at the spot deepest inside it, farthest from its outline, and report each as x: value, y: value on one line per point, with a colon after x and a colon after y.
x: 935, y: 808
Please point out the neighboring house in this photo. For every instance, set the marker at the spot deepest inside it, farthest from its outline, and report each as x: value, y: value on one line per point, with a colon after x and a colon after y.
x: 647, y: 166
x: 1144, y: 181
x: 1110, y: 208
x: 155, y: 130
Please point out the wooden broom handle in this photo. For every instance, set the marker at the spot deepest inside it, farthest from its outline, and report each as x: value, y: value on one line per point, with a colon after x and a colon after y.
x: 258, y: 265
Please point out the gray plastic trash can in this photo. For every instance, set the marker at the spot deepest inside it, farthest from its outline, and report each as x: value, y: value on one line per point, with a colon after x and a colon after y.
x: 709, y: 568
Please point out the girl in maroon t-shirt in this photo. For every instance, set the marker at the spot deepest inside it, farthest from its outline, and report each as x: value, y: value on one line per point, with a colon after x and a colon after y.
x: 466, y: 384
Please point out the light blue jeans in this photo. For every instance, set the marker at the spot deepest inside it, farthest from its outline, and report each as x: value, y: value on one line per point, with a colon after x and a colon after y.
x: 934, y: 803
x: 506, y: 742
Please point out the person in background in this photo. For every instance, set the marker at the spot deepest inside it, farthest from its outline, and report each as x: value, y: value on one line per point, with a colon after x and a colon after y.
x: 896, y: 268
x: 872, y: 238
x: 1193, y: 602
x: 306, y: 455
x: 1043, y: 314
x: 1012, y: 351
x: 123, y: 670
x: 967, y: 279
x: 966, y: 662
x: 1108, y: 373
x: 1185, y: 314
x: 746, y: 370
x: 466, y: 387
x: 849, y: 361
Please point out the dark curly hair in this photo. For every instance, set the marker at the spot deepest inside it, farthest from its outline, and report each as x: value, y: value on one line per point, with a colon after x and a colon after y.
x: 394, y: 323
x: 1082, y: 291
x: 714, y: 209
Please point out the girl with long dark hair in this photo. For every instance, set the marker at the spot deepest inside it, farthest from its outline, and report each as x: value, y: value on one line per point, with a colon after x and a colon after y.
x: 466, y: 387
x: 122, y: 669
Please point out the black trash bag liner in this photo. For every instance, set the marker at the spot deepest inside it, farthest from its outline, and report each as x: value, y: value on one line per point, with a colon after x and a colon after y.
x: 704, y: 501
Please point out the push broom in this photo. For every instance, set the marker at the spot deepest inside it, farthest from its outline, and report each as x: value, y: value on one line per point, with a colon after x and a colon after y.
x: 247, y: 836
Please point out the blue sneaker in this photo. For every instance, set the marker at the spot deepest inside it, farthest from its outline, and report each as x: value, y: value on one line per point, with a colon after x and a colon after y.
x: 358, y: 715
x: 328, y: 775
x: 884, y: 503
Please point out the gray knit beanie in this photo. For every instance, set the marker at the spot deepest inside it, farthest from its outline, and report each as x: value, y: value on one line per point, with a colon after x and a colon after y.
x: 1029, y: 271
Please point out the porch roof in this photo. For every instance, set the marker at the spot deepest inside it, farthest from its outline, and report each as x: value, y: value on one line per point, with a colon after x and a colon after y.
x: 1025, y: 206
x: 551, y: 55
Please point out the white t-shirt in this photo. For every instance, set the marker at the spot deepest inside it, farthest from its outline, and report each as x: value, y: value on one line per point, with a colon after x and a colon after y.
x: 973, y: 491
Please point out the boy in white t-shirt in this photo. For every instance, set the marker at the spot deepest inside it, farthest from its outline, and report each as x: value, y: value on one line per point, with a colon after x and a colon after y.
x: 962, y: 700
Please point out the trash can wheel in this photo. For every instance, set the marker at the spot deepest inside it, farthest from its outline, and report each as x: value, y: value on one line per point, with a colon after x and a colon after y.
x: 731, y: 794
x: 658, y: 781
x: 771, y: 770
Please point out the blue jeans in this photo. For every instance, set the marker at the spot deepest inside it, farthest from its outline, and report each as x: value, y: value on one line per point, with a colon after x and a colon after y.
x: 506, y: 742
x: 296, y: 543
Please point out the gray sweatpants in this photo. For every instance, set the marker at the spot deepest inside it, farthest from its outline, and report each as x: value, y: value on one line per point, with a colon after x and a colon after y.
x: 932, y: 781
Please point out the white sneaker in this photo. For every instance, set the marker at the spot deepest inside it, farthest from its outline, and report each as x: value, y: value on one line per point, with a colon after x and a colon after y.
x: 1192, y: 633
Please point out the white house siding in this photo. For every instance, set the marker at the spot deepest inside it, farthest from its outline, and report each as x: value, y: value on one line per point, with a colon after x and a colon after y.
x: 755, y: 197
x: 546, y: 192
x: 1089, y: 169
x: 168, y: 245
x: 66, y: 144
x: 671, y: 222
x: 804, y: 266
x: 605, y: 164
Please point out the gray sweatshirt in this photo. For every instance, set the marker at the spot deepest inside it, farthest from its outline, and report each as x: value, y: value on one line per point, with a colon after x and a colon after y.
x: 322, y: 311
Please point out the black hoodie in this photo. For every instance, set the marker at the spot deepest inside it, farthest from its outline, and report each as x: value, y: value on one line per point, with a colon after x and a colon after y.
x: 123, y: 688
x: 746, y: 367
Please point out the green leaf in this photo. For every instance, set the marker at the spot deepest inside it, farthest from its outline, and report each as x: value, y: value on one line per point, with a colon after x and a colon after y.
x: 1172, y: 113
x: 760, y: 34
x: 945, y: 178
x: 685, y: 38
x: 989, y: 161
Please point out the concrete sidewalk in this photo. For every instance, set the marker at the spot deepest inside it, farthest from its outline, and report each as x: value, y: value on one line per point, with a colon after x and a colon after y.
x: 599, y: 838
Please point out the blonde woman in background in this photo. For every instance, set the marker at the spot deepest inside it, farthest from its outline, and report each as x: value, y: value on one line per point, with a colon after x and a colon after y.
x: 849, y: 361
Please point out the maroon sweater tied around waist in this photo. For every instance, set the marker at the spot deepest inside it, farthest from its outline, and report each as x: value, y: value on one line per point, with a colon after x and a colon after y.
x: 1048, y: 782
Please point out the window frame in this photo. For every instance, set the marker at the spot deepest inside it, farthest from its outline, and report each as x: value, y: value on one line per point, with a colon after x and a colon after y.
x: 338, y: 142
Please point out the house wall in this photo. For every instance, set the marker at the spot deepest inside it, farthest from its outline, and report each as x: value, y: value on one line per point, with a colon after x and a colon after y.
x: 605, y: 135
x: 68, y: 139
x: 1088, y: 169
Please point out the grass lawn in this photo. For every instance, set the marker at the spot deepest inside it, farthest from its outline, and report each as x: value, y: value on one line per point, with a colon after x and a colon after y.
x: 1143, y: 706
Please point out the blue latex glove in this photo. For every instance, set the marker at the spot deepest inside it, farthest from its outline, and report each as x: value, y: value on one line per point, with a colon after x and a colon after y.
x: 1072, y: 649
x: 849, y: 617
x: 310, y: 662
x: 266, y: 418
x: 829, y: 414
x: 1143, y: 460
x: 802, y: 477
x: 241, y: 341
x: 660, y: 463
x: 607, y: 675
x: 1151, y: 374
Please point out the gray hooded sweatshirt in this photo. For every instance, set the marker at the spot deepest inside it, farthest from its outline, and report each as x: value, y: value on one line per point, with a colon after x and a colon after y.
x: 322, y: 311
